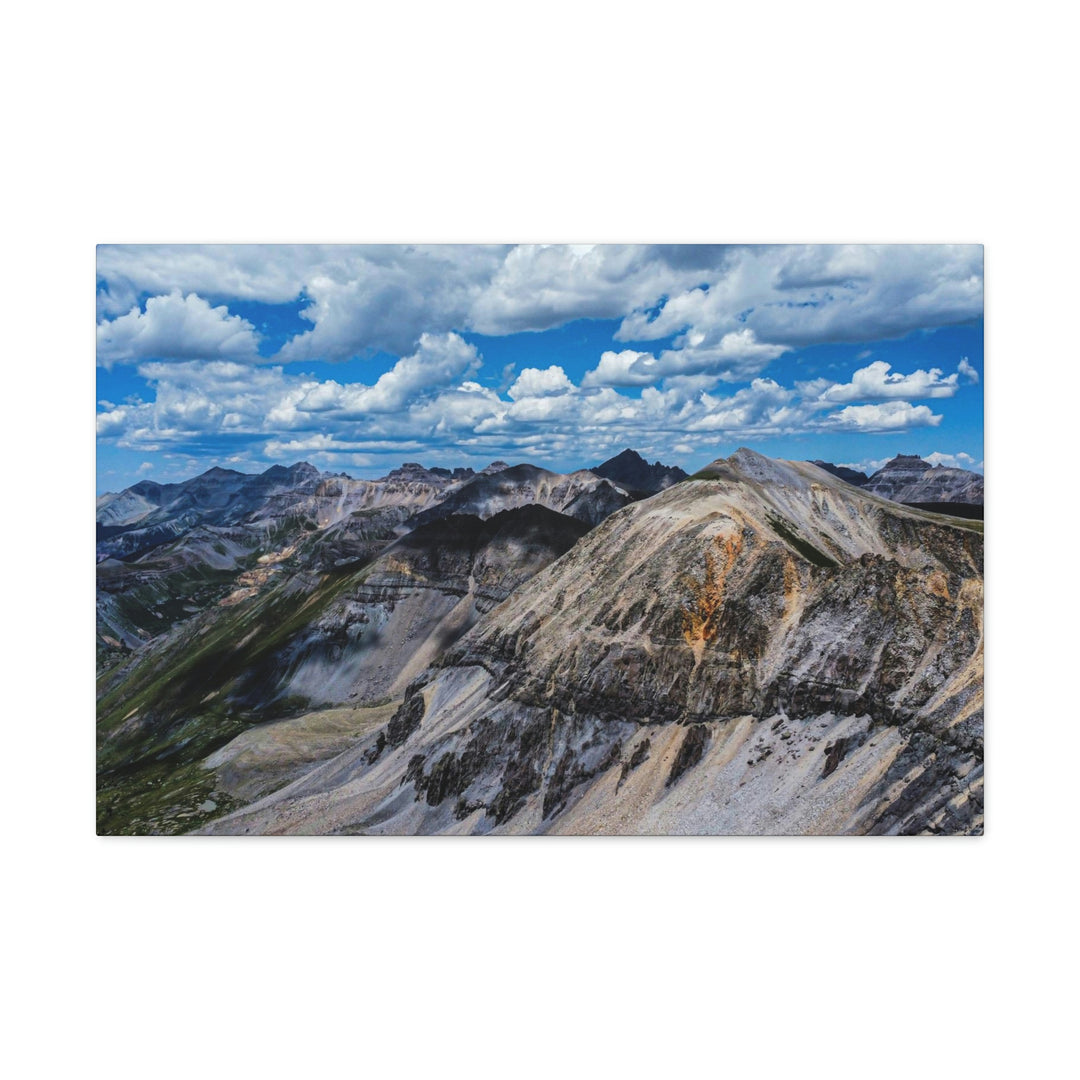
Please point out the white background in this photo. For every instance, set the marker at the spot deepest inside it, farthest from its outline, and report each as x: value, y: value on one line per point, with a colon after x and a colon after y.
x: 568, y: 122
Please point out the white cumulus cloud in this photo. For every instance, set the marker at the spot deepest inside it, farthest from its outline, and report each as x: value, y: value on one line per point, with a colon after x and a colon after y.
x: 625, y: 368
x: 730, y: 310
x: 175, y: 326
x: 959, y: 460
x: 888, y: 416
x: 714, y: 316
x: 439, y: 360
x: 536, y: 382
x: 877, y: 382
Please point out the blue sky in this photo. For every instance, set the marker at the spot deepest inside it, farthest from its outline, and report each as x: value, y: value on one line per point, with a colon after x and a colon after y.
x: 359, y: 358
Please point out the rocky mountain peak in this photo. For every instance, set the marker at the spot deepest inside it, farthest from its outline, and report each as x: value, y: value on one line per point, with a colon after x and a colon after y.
x: 751, y: 465
x: 413, y: 472
x: 452, y: 474
x: 744, y: 455
x: 630, y: 470
x: 907, y: 462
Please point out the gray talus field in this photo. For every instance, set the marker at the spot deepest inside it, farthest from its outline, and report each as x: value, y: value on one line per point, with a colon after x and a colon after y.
x: 759, y: 649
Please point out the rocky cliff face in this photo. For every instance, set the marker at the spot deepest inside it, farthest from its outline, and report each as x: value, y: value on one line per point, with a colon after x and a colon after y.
x: 942, y: 485
x: 399, y: 613
x: 167, y: 552
x: 762, y: 649
x: 910, y: 479
x: 579, y: 495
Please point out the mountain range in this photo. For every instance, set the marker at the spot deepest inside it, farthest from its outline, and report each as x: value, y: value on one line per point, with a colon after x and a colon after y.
x: 907, y: 478
x: 763, y: 647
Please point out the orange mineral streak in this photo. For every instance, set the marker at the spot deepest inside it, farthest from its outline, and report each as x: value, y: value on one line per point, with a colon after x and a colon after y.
x: 938, y: 585
x: 791, y: 584
x: 702, y: 616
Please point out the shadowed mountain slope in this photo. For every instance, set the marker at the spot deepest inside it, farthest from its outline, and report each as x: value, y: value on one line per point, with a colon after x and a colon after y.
x: 849, y: 476
x: 631, y: 471
x: 295, y: 633
x: 578, y: 495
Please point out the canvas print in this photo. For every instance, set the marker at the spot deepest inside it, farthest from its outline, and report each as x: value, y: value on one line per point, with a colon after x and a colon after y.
x: 540, y: 539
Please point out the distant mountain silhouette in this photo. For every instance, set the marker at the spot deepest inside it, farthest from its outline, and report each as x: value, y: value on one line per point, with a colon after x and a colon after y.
x: 630, y: 470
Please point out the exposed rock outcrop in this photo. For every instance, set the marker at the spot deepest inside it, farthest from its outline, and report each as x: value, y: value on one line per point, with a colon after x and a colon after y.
x: 580, y: 495
x: 910, y: 479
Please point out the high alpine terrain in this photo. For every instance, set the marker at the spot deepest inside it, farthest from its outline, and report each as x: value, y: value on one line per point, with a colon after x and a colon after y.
x: 760, y: 648
x: 230, y: 599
